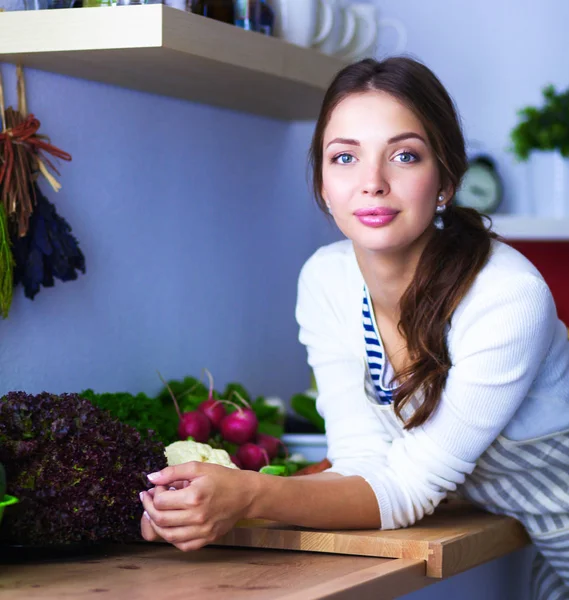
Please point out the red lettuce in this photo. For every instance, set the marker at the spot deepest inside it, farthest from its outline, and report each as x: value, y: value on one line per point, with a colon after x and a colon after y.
x: 76, y: 470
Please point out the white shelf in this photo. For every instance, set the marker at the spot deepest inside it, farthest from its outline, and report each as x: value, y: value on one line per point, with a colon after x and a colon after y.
x: 535, y: 228
x: 159, y: 49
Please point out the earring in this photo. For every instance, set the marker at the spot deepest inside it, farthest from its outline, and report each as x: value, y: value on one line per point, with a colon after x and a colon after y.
x: 438, y: 222
x: 329, y: 208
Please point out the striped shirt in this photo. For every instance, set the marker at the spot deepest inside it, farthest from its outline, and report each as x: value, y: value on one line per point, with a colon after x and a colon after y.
x: 375, y: 353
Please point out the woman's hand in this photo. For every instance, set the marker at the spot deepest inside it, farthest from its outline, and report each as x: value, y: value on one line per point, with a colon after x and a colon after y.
x: 212, y: 501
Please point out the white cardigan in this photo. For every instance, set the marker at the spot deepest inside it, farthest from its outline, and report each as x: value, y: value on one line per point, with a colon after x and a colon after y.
x: 509, y: 376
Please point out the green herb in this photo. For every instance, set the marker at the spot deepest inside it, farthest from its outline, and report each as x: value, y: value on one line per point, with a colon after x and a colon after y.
x: 141, y: 412
x: 543, y: 128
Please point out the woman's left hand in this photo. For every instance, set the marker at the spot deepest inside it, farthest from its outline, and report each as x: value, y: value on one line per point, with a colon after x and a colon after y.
x: 195, y: 515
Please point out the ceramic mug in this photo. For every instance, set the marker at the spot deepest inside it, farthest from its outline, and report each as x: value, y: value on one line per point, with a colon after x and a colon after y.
x: 368, y: 26
x: 343, y: 29
x: 302, y: 22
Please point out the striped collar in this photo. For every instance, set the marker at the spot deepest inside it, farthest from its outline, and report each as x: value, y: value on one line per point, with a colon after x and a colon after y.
x: 376, y: 359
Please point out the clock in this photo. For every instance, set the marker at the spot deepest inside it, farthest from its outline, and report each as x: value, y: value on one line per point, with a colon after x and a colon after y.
x: 481, y: 186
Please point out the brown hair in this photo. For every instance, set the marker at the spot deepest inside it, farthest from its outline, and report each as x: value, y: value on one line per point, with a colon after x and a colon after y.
x: 454, y: 255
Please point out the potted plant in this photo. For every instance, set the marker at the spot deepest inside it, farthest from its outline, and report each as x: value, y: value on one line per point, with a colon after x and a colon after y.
x: 5, y: 500
x: 541, y: 137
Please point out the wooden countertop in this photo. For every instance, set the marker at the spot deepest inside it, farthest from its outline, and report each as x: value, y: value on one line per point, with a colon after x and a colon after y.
x: 161, y: 572
x: 288, y: 563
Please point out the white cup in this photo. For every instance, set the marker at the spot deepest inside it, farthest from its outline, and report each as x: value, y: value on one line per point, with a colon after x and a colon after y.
x: 342, y: 32
x: 302, y: 22
x: 368, y: 26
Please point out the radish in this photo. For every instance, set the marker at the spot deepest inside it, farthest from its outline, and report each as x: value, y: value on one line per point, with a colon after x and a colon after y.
x: 190, y: 424
x: 196, y: 425
x: 213, y: 409
x: 270, y: 444
x: 240, y: 426
x: 252, y: 457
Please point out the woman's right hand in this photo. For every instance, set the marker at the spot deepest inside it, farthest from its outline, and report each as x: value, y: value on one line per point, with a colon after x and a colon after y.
x: 146, y: 528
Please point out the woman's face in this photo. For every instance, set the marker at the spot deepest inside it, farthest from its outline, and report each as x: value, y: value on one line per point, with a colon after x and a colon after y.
x: 379, y: 173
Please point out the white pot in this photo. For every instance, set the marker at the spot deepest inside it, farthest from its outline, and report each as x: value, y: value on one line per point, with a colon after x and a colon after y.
x: 311, y: 445
x: 549, y: 184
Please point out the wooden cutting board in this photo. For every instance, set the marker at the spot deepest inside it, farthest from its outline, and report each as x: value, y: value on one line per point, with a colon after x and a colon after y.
x: 456, y: 538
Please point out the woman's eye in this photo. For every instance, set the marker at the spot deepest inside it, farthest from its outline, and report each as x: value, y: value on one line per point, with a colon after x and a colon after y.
x: 344, y: 159
x: 407, y: 157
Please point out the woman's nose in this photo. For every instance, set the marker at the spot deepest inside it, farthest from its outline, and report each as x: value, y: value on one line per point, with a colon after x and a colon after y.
x: 375, y: 182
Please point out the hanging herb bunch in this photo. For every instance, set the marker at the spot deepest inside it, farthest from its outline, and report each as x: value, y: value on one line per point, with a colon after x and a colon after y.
x: 36, y: 244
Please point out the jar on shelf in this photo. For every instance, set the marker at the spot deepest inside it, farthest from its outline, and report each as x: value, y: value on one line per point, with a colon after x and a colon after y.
x: 254, y: 15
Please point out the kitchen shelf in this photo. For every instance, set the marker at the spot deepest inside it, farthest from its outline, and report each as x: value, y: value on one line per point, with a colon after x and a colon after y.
x: 535, y: 228
x: 162, y: 50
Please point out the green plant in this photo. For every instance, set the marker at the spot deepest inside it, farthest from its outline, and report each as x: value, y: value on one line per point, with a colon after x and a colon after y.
x: 543, y: 128
x: 305, y: 406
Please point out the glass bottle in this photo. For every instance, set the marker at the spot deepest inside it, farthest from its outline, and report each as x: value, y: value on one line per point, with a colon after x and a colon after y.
x: 245, y: 14
x: 220, y: 10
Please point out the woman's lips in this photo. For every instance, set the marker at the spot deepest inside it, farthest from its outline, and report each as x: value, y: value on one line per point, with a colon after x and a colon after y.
x: 376, y: 216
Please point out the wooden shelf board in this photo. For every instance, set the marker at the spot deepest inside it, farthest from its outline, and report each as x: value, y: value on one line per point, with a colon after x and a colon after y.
x: 158, y: 49
x: 522, y: 227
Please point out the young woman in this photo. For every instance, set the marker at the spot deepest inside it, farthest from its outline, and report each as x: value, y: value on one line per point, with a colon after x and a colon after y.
x: 440, y: 361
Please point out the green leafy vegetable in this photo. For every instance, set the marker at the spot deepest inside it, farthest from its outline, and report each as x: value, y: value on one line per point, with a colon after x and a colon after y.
x: 236, y: 387
x: 280, y: 470
x: 189, y: 402
x: 140, y: 411
x: 271, y: 420
x: 188, y: 387
x: 284, y: 467
x: 305, y: 406
x: 76, y: 470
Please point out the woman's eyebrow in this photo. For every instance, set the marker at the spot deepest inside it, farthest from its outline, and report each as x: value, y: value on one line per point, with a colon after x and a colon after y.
x: 397, y: 138
x: 347, y: 141
x: 406, y: 136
